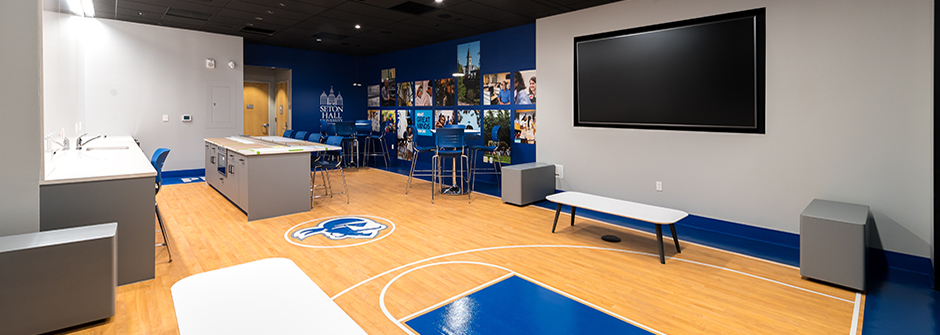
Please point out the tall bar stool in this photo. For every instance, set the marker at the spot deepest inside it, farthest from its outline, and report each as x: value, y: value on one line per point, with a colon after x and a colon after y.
x: 347, y: 130
x: 329, y: 161
x: 416, y: 150
x: 159, y: 157
x: 449, y: 143
x: 497, y: 164
x: 369, y: 139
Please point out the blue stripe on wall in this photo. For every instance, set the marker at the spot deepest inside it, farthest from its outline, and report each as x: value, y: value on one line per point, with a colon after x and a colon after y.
x: 517, y: 306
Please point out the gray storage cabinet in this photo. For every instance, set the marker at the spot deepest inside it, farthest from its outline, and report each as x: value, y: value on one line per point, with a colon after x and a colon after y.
x: 57, y: 279
x: 833, y: 242
x: 526, y: 183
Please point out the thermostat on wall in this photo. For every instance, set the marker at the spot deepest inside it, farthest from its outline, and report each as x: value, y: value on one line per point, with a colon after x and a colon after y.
x: 187, y: 118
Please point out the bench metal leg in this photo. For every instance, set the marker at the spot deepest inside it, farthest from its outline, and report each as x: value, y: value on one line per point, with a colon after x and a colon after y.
x: 572, y: 215
x: 675, y: 238
x: 557, y: 212
x: 659, y: 237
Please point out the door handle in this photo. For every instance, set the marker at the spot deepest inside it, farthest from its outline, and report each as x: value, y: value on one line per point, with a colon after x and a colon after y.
x: 212, y: 160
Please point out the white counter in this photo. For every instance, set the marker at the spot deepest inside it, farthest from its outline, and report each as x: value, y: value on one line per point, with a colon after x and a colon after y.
x: 102, y: 159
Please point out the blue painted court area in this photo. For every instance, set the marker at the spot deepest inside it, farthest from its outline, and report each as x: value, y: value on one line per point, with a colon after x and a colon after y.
x: 518, y: 306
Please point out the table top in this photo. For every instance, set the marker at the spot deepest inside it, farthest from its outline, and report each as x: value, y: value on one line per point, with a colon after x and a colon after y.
x: 270, y: 296
x: 642, y: 212
x: 266, y: 145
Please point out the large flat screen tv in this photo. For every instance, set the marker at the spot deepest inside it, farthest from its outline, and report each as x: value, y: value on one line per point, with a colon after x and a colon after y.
x: 703, y: 74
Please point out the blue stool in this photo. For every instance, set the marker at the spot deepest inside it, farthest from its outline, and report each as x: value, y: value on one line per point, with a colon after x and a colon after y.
x: 416, y: 150
x: 497, y: 165
x: 449, y: 142
x: 159, y: 157
x: 329, y: 161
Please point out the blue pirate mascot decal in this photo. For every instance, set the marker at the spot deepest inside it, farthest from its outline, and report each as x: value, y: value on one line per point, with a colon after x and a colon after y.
x: 342, y: 228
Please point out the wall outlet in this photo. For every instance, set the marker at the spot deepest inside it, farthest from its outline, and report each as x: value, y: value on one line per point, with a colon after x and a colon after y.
x: 559, y: 171
x: 166, y: 118
x: 659, y: 186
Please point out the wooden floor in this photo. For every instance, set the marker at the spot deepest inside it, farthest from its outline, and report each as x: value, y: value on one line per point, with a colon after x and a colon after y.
x: 700, y: 291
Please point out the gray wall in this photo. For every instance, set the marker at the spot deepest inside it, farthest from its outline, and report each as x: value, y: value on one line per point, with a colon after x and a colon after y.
x: 20, y: 131
x: 848, y: 109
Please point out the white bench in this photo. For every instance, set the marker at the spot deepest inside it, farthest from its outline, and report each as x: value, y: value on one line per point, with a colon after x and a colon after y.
x: 270, y: 296
x: 656, y: 215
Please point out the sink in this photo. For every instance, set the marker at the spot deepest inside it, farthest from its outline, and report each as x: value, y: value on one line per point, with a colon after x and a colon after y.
x: 107, y: 148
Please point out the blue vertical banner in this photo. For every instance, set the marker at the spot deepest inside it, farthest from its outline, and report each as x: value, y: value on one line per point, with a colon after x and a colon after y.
x: 423, y: 121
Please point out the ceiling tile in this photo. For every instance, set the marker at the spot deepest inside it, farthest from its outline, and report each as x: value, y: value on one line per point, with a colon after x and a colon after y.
x: 521, y: 7
x: 354, y: 18
x: 267, y: 11
x: 373, y: 11
x: 293, y: 6
x: 322, y: 3
x: 144, y: 7
x: 427, y: 23
x: 482, y: 11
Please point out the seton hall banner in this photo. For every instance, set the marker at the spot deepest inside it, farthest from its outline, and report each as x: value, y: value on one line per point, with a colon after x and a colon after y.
x: 331, y: 106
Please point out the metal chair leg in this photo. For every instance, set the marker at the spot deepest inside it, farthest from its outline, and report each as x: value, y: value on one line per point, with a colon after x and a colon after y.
x: 166, y: 241
x: 345, y: 189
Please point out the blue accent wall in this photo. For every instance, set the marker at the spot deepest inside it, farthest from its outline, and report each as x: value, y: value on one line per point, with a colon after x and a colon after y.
x: 312, y: 74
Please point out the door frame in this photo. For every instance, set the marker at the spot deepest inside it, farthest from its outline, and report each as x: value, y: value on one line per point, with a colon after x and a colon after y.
x: 290, y: 110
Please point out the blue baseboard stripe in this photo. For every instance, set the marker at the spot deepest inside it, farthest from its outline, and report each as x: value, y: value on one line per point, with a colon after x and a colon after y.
x: 184, y: 173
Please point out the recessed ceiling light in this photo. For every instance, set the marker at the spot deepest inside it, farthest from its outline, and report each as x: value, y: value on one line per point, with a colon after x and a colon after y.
x: 438, y: 1
x: 358, y: 27
x: 319, y: 40
x: 251, y: 25
x: 259, y: 18
x: 270, y: 12
x: 140, y: 13
x: 282, y: 4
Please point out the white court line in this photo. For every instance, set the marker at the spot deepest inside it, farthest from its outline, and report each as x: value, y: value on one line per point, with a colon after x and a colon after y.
x: 858, y: 303
x: 639, y: 231
x: 580, y: 247
x: 459, y: 295
x: 408, y: 330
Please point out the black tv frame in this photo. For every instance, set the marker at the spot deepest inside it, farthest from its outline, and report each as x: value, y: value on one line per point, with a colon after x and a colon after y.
x: 759, y: 64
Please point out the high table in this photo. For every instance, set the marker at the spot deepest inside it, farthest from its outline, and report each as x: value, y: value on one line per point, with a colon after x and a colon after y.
x: 263, y: 176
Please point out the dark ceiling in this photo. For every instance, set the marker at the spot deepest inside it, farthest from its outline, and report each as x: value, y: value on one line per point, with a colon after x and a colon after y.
x: 387, y: 25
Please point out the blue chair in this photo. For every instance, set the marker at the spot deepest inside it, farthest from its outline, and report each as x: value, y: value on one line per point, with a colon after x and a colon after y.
x: 326, y: 130
x: 329, y: 161
x: 310, y: 135
x: 347, y: 129
x: 288, y: 133
x: 299, y: 135
x: 449, y: 142
x: 416, y: 150
x: 374, y: 145
x: 157, y: 160
x: 497, y: 165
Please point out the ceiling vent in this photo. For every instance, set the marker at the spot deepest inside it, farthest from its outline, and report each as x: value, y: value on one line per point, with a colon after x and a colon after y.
x: 412, y: 7
x: 258, y: 31
x: 188, y: 14
x: 329, y: 36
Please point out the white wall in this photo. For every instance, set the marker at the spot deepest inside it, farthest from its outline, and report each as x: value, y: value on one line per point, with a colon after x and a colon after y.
x: 135, y: 73
x: 21, y: 111
x: 63, y: 61
x: 848, y: 110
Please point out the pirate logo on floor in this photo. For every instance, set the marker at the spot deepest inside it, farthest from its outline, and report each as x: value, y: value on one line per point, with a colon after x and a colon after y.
x: 336, y: 229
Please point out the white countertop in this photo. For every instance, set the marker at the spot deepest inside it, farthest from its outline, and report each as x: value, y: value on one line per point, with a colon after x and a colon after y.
x: 102, y: 159
x: 267, y: 145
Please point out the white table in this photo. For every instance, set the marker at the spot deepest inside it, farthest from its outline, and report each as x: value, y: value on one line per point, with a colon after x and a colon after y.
x: 270, y: 296
x: 656, y: 215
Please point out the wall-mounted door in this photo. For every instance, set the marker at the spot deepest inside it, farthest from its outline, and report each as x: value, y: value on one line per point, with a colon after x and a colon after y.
x: 256, y: 109
x: 281, y: 108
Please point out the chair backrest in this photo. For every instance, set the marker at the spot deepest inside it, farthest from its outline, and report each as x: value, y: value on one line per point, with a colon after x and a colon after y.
x: 495, y: 135
x: 314, y: 136
x: 324, y: 127
x: 363, y: 127
x: 288, y: 133
x: 346, y: 128
x: 157, y: 160
x: 449, y: 138
x: 334, y: 140
x: 461, y: 126
x: 299, y: 135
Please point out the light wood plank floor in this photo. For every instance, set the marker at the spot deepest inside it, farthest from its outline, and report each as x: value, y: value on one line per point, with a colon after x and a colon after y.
x: 700, y: 291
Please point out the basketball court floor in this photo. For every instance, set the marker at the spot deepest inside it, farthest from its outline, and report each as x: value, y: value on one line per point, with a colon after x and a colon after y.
x: 480, y: 267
